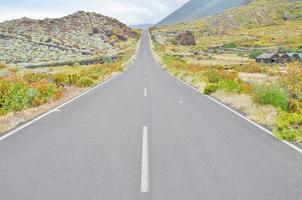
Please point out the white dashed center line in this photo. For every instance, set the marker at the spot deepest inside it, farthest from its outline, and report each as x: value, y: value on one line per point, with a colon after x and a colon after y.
x: 145, y: 163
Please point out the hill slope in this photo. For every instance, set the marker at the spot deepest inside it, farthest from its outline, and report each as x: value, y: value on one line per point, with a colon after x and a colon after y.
x: 81, y: 35
x: 196, y: 9
x: 260, y: 24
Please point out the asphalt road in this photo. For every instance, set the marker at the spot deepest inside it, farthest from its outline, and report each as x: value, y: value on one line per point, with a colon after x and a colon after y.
x: 146, y: 135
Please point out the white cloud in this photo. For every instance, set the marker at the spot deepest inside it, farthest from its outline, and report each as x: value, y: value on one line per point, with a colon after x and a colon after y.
x: 127, y: 11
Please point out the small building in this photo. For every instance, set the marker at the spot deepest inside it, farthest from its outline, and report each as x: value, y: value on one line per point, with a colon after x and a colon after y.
x: 284, y: 58
x: 268, y: 58
x: 295, y: 56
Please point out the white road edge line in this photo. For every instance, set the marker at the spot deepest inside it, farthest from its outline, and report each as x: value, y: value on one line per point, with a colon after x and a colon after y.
x: 145, y: 162
x: 56, y: 109
x: 145, y: 92
x: 240, y: 115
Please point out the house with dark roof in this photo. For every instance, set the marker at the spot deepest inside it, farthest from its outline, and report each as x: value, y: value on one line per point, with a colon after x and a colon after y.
x: 284, y: 58
x: 295, y: 56
x: 268, y: 58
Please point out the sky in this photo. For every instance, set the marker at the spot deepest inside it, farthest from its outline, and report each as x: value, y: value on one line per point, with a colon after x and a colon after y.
x: 130, y: 12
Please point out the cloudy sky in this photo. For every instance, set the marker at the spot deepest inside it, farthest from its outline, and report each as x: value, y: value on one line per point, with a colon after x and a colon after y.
x: 128, y: 11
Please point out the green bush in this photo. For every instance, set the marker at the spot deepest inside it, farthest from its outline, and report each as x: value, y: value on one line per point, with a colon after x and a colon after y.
x: 230, y: 45
x: 94, y: 71
x: 229, y: 86
x: 210, y: 88
x: 289, y: 126
x: 267, y: 94
x: 254, y: 54
x: 15, y: 97
x: 174, y: 62
x: 5, y: 90
x: 213, y: 77
x: 86, y: 82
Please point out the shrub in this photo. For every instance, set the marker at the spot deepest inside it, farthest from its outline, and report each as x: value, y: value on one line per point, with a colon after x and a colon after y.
x: 246, y: 88
x: 73, y: 79
x: 295, y: 106
x: 76, y: 64
x: 254, y: 54
x: 229, y: 86
x: 43, y: 92
x: 289, y: 126
x: 214, y: 76
x: 251, y: 68
x: 60, y: 79
x: 94, y: 71
x: 172, y: 61
x: 210, y: 88
x: 5, y: 91
x: 15, y: 97
x: 270, y: 94
x: 86, y: 82
x: 32, y: 77
x: 230, y: 45
x: 292, y: 80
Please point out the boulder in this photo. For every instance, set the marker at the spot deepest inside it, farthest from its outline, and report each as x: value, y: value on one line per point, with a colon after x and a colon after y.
x: 287, y: 16
x: 122, y: 37
x: 186, y: 38
x: 95, y: 30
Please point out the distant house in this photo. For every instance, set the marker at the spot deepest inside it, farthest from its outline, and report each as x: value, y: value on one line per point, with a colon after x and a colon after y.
x: 268, y: 58
x: 295, y: 56
x: 284, y: 58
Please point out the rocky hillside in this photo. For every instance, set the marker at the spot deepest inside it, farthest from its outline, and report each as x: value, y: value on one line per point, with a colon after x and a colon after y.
x: 81, y: 35
x: 263, y: 25
x: 197, y: 9
x: 256, y: 14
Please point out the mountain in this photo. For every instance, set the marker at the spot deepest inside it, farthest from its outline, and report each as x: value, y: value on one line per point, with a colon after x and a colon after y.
x: 142, y: 26
x: 78, y: 36
x: 263, y: 25
x: 196, y: 9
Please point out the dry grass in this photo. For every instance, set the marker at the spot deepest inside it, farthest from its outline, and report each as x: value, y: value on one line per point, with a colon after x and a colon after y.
x: 265, y: 115
x: 221, y: 59
x: 2, y: 65
x: 255, y: 77
x: 190, y: 80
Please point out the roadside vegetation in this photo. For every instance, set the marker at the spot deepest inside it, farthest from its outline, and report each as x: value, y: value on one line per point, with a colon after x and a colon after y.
x: 275, y: 101
x: 217, y: 55
x: 21, y: 89
x: 25, y: 93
